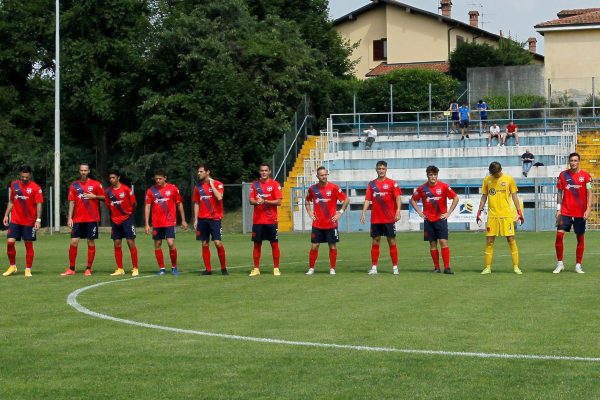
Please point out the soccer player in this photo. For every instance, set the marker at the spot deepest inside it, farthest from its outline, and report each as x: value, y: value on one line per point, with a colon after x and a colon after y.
x: 385, y: 196
x: 574, y: 203
x: 434, y: 195
x: 208, y: 213
x: 500, y: 189
x: 265, y: 196
x: 25, y: 210
x: 121, y: 203
x: 324, y: 195
x: 83, y: 216
x: 162, y: 199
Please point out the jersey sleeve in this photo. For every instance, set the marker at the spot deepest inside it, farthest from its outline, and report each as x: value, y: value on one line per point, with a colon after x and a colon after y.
x: 132, y: 198
x: 176, y: 195
x: 72, y: 193
x: 484, y: 187
x: 99, y: 190
x: 417, y: 194
x: 196, y: 195
x: 278, y: 194
x: 149, y: 197
x: 310, y: 195
x: 12, y: 193
x: 512, y: 186
x: 450, y: 193
x: 220, y: 187
x: 369, y: 194
x: 340, y: 194
x: 397, y: 190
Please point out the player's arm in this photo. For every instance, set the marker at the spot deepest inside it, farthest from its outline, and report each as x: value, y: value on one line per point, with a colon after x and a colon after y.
x: 451, y: 209
x: 590, y: 199
x: 196, y: 211
x: 276, y: 202
x: 517, y: 204
x: 147, y: 217
x: 363, y: 215
x: 9, y: 207
x: 308, y: 208
x: 254, y: 198
x: 415, y: 205
x: 339, y: 213
x: 70, y: 213
x: 481, y: 205
x: 182, y: 214
x: 38, y: 218
x: 216, y: 192
x: 398, y: 207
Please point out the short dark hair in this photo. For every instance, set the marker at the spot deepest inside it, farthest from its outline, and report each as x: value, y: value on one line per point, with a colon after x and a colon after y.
x: 432, y: 169
x: 380, y: 163
x: 495, y: 167
x: 160, y: 172
x: 84, y: 163
x: 114, y: 172
x: 320, y: 169
x: 264, y: 165
x: 25, y: 168
x: 575, y: 154
x: 205, y: 166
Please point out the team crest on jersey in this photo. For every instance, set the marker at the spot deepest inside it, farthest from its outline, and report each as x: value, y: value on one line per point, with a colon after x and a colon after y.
x: 168, y: 193
x: 328, y: 193
x: 438, y: 192
x: 385, y: 186
x: 503, y: 184
x: 90, y: 188
x: 581, y: 179
x: 269, y: 188
x: 121, y: 195
x: 28, y: 190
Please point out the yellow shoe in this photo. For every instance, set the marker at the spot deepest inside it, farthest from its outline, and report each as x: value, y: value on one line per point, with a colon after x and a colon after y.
x: 10, y: 271
x: 118, y: 272
x: 276, y: 272
x: 255, y: 272
x: 518, y: 271
x: 486, y: 270
x: 27, y: 272
x: 135, y: 272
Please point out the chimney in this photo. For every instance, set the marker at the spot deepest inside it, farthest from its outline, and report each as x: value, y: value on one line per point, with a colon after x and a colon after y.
x: 474, y: 18
x: 532, y: 44
x: 446, y: 7
x: 501, y: 33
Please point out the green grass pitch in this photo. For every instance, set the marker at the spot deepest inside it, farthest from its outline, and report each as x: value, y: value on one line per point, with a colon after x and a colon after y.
x: 49, y: 350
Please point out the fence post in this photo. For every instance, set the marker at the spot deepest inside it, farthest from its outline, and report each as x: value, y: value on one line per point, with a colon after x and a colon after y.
x: 354, y: 113
x: 50, y: 211
x: 430, y: 102
x: 549, y: 93
x: 510, y: 114
x: 593, y: 96
x: 391, y: 109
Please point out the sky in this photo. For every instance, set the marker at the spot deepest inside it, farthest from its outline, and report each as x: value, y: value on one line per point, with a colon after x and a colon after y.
x: 514, y: 17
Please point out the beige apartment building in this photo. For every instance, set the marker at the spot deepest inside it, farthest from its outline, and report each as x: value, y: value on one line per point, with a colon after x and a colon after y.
x: 392, y: 35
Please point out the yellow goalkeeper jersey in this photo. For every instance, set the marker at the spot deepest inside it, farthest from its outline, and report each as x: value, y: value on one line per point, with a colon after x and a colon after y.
x: 499, y: 192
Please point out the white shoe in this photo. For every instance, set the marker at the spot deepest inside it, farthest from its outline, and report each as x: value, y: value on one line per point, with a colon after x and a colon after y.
x: 502, y: 145
x: 579, y: 269
x: 373, y: 271
x: 395, y: 271
x: 558, y: 269
x: 331, y: 271
x: 310, y: 271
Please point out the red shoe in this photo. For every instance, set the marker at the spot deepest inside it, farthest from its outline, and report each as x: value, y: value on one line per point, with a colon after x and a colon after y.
x: 88, y: 272
x: 68, y: 272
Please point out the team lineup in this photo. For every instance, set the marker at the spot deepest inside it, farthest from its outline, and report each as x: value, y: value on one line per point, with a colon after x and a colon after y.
x: 163, y: 202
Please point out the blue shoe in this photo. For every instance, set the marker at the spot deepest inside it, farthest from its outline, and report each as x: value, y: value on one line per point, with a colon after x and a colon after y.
x: 161, y: 272
x: 174, y: 271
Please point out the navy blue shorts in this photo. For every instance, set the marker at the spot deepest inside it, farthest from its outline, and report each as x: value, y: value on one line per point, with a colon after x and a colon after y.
x: 126, y: 229
x: 85, y: 230
x: 464, y: 123
x: 18, y: 232
x: 437, y: 230
x: 319, y: 235
x: 262, y: 232
x: 208, y: 228
x: 387, y: 230
x: 565, y: 224
x: 167, y: 232
x: 454, y: 116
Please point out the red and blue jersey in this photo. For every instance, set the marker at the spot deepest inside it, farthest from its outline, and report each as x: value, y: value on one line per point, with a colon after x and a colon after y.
x: 382, y: 195
x: 86, y: 210
x: 120, y: 202
x: 434, y: 199
x: 25, y: 198
x: 574, y: 186
x: 265, y: 214
x: 325, y: 199
x: 210, y: 207
x: 164, y: 202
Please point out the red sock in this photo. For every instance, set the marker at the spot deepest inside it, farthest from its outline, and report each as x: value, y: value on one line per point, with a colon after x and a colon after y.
x: 256, y: 253
x: 276, y: 254
x: 446, y: 257
x: 222, y: 257
x: 173, y: 256
x: 29, y: 253
x: 11, y: 251
x: 312, y: 257
x: 72, y: 256
x: 394, y: 254
x: 160, y: 259
x: 91, y: 255
x: 119, y: 257
x: 332, y: 258
x: 558, y: 245
x: 374, y: 254
x: 206, y: 257
x: 435, y: 256
x: 134, y: 257
x: 580, y: 249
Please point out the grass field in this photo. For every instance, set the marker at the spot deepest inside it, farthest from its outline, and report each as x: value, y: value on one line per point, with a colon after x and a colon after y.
x: 49, y: 350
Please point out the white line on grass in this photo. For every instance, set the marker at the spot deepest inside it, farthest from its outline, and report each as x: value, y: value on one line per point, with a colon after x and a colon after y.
x: 72, y: 301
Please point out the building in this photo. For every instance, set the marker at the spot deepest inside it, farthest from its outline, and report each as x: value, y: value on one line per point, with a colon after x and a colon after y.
x: 392, y: 35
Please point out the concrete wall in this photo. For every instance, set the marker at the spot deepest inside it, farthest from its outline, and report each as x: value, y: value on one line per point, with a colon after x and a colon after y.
x: 493, y: 81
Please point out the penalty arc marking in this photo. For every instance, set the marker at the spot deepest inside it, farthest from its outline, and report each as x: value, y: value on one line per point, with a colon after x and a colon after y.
x: 72, y: 301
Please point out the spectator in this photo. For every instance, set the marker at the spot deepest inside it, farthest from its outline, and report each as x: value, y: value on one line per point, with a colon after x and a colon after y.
x: 464, y: 120
x: 511, y: 130
x: 527, y: 158
x: 494, y: 133
x: 482, y: 107
x: 371, y: 135
x: 454, y: 114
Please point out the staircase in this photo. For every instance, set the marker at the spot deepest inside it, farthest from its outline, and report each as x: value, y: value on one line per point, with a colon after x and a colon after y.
x: 588, y: 146
x: 285, y: 211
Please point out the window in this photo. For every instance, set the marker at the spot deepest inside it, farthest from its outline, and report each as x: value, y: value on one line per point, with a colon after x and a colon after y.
x: 380, y: 50
x: 459, y: 40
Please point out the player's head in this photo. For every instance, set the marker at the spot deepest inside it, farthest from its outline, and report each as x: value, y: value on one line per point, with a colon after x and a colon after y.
x: 322, y: 175
x: 480, y: 101
x: 160, y: 177
x: 264, y: 171
x: 25, y: 173
x: 432, y: 174
x: 495, y: 169
x: 84, y: 171
x: 381, y: 168
x: 203, y: 171
x: 574, y: 159
x: 114, y: 177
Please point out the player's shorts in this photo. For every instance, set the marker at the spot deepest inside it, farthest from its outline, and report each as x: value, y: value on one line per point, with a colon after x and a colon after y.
x: 565, y: 224
x: 125, y: 229
x: 464, y: 123
x: 454, y: 116
x: 166, y: 232
x: 387, y: 230
x: 262, y: 232
x: 207, y: 228
x: 483, y: 117
x: 510, y: 134
x: 497, y: 135
x: 18, y: 232
x: 85, y: 230
x: 437, y: 230
x: 496, y: 226
x: 319, y: 235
